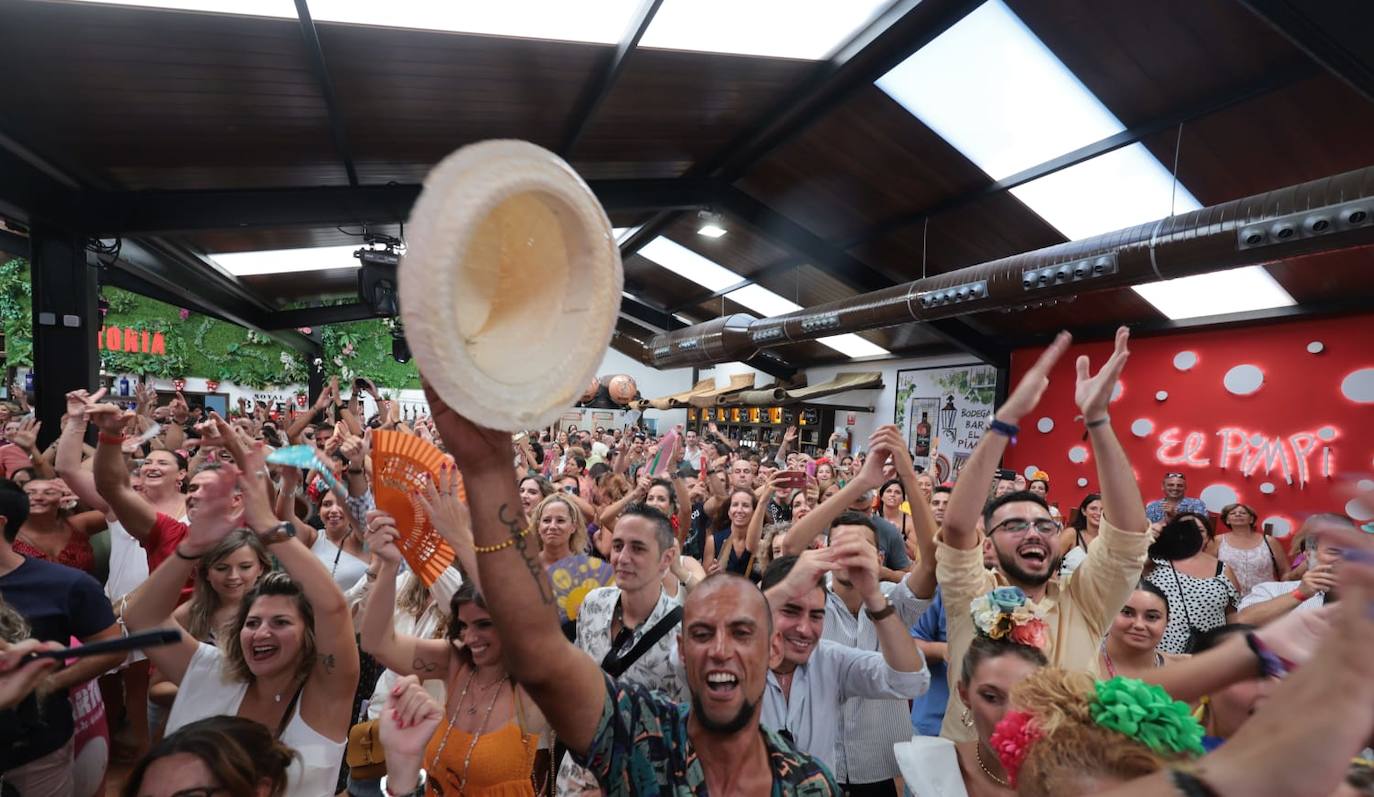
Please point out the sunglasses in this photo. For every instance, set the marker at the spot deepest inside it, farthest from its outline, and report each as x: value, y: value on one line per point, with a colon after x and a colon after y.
x: 1174, y: 476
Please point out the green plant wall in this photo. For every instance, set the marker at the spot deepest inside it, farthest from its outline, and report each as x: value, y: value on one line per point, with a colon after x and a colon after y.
x: 201, y: 346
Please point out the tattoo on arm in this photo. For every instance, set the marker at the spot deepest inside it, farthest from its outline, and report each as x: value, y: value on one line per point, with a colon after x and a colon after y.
x: 423, y: 665
x: 327, y: 661
x: 541, y: 579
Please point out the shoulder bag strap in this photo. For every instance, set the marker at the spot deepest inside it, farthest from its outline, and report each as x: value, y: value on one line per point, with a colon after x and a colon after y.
x: 1182, y: 596
x: 615, y: 667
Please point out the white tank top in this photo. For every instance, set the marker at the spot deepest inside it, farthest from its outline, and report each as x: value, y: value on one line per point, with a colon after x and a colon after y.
x: 206, y: 692
x: 343, y: 566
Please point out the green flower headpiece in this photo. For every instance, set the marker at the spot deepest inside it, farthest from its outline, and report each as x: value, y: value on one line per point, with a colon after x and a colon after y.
x: 1146, y: 713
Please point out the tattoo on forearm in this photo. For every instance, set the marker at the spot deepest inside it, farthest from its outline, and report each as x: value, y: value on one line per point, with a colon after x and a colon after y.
x: 421, y: 665
x: 531, y: 559
x: 327, y: 661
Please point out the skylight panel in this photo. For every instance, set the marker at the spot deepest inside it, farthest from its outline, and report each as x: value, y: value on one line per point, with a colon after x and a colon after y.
x: 685, y: 263
x: 533, y: 19
x: 1236, y: 290
x: 996, y: 93
x: 853, y: 346
x: 281, y: 261
x: 804, y: 29
x: 763, y: 301
x: 1123, y: 188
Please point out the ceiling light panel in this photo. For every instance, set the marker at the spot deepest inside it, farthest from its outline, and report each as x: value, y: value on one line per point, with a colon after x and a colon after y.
x: 803, y: 29
x: 685, y: 263
x: 996, y: 93
x: 853, y: 346
x: 282, y: 261
x: 1236, y: 290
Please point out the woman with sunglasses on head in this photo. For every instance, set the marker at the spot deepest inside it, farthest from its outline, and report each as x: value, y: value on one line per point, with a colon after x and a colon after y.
x: 488, y: 744
x: 287, y: 661
x: 1252, y: 554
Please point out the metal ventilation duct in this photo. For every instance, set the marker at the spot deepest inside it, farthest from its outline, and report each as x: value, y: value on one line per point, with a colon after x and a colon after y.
x: 1319, y: 216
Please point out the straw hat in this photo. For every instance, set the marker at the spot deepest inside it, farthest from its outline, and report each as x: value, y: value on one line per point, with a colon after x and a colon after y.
x: 510, y: 285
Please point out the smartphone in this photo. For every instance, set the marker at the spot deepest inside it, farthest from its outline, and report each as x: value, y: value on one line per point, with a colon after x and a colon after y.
x: 139, y: 641
x: 793, y: 479
x: 1006, y: 475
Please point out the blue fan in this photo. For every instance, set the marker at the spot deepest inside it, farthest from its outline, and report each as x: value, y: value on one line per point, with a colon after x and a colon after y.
x: 307, y: 458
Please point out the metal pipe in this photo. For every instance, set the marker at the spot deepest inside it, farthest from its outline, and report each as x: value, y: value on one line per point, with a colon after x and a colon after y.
x: 1323, y: 215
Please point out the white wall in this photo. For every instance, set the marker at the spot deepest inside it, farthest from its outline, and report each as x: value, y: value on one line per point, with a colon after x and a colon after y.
x: 882, y: 401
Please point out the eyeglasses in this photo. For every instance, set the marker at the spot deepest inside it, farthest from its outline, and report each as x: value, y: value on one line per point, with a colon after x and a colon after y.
x: 1018, y: 526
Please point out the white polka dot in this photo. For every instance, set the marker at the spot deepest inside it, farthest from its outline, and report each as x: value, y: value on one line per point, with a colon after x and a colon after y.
x: 1082, y: 481
x: 1316, y: 347
x: 1327, y: 433
x: 1281, y: 526
x: 1358, y: 510
x: 1243, y: 380
x: 1217, y: 496
x: 1078, y: 454
x: 1359, y: 386
x: 1365, y: 485
x: 1267, y: 488
x: 1117, y: 390
x: 1162, y: 395
x: 1045, y: 425
x: 1256, y: 440
x: 1185, y: 360
x: 1141, y: 427
x: 1030, y: 471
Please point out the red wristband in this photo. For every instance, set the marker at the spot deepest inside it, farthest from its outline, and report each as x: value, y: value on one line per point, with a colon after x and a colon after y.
x: 1297, y: 594
x: 114, y: 440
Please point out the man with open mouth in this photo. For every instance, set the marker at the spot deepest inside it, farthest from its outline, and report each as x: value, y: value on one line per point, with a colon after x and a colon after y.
x: 1025, y: 537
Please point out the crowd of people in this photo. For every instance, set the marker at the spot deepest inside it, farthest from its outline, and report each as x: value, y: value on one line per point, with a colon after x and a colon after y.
x: 632, y: 613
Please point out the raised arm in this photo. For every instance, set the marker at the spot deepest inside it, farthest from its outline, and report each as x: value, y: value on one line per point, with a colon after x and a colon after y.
x: 112, y: 477
x: 855, y: 555
x: 155, y: 600
x: 401, y: 653
x: 566, y: 684
x: 1122, y: 505
x: 804, y: 531
x: 451, y: 519
x: 69, y: 448
x: 611, y: 512
x: 921, y: 581
x: 336, y: 668
x: 970, y: 493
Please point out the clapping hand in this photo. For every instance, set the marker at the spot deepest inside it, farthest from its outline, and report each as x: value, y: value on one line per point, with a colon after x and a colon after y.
x: 407, y: 724
x: 1091, y: 393
x: 1032, y: 386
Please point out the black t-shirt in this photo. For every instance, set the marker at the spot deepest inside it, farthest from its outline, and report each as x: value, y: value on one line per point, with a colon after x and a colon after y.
x: 59, y: 603
x: 778, y: 513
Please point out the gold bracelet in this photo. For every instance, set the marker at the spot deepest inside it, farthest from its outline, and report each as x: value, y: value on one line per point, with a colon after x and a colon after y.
x: 500, y: 545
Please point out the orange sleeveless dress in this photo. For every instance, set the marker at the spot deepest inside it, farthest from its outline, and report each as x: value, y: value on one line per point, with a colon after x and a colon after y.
x: 501, y: 764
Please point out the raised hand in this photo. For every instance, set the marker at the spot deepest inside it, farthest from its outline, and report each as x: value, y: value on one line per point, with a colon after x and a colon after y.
x: 381, y: 536
x: 181, y: 411
x: 353, y: 448
x: 407, y: 724
x: 858, y: 559
x: 26, y: 436
x: 1032, y: 386
x: 789, y: 436
x: 805, y: 574
x: 79, y: 400
x: 1092, y: 394
x: 472, y: 446
x: 446, y: 510
x: 108, y: 418
x: 257, y: 507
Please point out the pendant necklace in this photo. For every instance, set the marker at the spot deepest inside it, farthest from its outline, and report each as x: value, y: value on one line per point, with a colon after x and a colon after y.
x: 453, y: 718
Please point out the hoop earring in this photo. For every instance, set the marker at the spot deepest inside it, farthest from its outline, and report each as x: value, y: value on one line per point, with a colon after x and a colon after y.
x: 966, y: 718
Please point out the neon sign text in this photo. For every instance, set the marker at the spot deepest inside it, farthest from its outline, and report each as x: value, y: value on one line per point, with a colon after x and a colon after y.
x: 1289, y: 457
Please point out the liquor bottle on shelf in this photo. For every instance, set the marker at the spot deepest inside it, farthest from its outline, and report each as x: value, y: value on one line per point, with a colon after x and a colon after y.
x: 923, y: 437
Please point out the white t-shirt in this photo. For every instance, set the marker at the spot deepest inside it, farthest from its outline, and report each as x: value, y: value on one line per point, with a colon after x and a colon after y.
x: 342, y: 565
x: 1270, y: 590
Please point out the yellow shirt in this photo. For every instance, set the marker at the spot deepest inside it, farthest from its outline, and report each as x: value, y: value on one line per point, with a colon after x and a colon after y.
x: 1079, y: 611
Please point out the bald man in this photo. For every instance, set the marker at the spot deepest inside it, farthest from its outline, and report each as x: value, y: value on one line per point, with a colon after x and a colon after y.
x: 634, y: 741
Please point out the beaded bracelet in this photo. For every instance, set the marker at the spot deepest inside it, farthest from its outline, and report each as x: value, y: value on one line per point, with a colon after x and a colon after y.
x: 1272, y: 665
x: 500, y: 545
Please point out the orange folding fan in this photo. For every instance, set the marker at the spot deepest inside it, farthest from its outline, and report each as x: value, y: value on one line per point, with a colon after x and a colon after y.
x: 401, y: 465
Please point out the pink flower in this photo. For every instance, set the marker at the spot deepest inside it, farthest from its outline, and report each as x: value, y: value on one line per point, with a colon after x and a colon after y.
x: 184, y: 313
x: 303, y: 330
x: 1012, y: 740
x: 1033, y: 633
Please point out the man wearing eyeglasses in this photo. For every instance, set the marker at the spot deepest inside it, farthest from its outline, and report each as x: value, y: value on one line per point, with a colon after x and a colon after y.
x: 1175, y: 500
x: 1025, y: 537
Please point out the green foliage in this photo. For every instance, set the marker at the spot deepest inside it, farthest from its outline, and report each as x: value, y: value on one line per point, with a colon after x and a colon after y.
x: 202, y: 346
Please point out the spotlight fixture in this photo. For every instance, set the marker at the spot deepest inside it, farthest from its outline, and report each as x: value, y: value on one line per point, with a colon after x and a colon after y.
x: 712, y: 224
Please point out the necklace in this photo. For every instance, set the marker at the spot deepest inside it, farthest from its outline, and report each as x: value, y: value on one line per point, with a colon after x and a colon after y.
x: 978, y: 754
x: 448, y: 731
x: 1111, y: 668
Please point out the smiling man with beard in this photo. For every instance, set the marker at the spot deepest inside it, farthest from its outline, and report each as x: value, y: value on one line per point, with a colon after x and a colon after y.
x: 633, y: 740
x: 1025, y: 538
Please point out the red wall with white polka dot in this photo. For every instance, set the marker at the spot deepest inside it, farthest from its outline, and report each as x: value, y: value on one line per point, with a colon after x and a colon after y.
x: 1271, y: 415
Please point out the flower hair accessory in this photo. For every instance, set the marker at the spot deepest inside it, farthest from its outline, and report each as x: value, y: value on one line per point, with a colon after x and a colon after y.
x: 1006, y: 613
x: 1012, y: 740
x: 1146, y: 713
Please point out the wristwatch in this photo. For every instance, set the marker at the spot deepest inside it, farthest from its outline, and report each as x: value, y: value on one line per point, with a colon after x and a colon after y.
x: 882, y: 613
x: 416, y: 792
x: 281, y: 532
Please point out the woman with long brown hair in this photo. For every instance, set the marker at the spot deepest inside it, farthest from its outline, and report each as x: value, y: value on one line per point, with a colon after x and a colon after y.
x: 216, y: 755
x: 486, y: 746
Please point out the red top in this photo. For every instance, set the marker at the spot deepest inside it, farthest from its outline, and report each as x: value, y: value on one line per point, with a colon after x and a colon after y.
x: 162, y: 541
x: 77, y: 553
x: 12, y: 458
